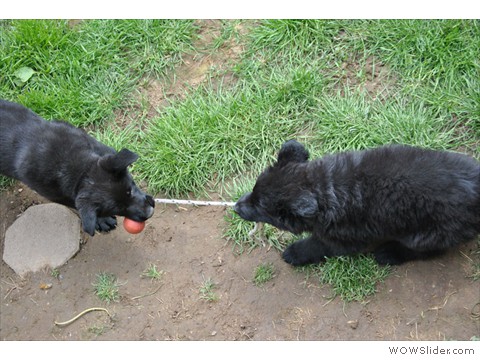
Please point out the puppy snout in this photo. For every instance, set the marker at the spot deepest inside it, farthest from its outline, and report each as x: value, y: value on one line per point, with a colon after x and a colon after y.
x: 241, y: 203
x: 236, y: 207
x: 150, y: 205
x: 150, y: 201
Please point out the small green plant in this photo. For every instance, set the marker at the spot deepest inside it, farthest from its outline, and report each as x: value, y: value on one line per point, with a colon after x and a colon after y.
x: 106, y: 287
x: 353, y: 278
x: 55, y: 273
x: 206, y: 290
x: 5, y: 183
x: 152, y: 272
x: 96, y: 330
x: 475, y: 274
x: 263, y: 273
x: 474, y: 260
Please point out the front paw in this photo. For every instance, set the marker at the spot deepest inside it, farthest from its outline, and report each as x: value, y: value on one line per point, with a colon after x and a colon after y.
x: 304, y: 252
x: 105, y: 224
x: 291, y: 257
x: 295, y: 255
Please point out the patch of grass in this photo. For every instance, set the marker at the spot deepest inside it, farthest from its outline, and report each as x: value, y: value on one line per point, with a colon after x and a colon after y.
x: 55, y: 273
x: 207, y: 291
x: 209, y: 137
x: 97, y: 330
x: 353, y: 278
x: 353, y: 121
x: 474, y: 263
x: 5, y: 183
x: 152, y: 272
x: 276, y: 39
x: 106, y: 287
x: 82, y: 73
x: 438, y: 59
x: 263, y: 273
x: 475, y: 275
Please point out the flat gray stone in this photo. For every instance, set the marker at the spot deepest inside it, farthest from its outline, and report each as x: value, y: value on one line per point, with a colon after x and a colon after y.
x: 45, y: 235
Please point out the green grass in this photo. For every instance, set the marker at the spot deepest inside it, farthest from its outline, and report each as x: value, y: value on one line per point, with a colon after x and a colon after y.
x: 55, y: 273
x: 474, y: 263
x: 152, y: 272
x: 207, y: 291
x: 211, y: 136
x: 5, y: 183
x: 355, y: 121
x: 97, y: 330
x: 82, y: 74
x: 106, y: 287
x: 263, y: 273
x: 353, y: 278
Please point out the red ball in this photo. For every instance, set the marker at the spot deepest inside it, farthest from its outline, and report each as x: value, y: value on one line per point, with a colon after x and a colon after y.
x: 132, y: 226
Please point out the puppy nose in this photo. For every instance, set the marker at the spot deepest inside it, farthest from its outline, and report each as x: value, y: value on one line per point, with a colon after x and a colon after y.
x: 235, y: 207
x: 240, y: 201
x: 150, y: 200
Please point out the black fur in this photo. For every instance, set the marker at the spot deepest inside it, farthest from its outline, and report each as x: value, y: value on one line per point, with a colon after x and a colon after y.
x: 67, y: 166
x: 409, y: 203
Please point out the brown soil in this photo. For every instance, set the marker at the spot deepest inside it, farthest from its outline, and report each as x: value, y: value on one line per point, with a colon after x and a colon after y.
x: 429, y: 300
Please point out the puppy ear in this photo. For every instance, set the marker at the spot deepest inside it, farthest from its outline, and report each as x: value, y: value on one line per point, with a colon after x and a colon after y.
x: 88, y: 215
x: 118, y: 162
x: 305, y: 205
x: 292, y: 151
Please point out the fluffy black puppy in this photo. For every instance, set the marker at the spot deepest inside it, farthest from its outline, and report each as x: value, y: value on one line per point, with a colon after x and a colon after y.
x: 406, y: 202
x: 67, y: 166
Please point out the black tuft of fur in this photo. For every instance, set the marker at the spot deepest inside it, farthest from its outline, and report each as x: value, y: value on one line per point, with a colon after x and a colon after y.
x: 406, y: 202
x: 68, y: 166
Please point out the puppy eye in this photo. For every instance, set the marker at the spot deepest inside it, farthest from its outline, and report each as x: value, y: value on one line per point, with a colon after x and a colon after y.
x: 129, y: 192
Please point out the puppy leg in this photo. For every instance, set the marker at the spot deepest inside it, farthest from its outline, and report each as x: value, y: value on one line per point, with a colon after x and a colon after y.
x: 394, y: 253
x: 105, y: 224
x: 306, y: 251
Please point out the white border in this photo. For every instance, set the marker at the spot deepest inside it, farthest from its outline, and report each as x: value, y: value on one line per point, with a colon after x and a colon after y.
x: 242, y: 9
x: 200, y: 350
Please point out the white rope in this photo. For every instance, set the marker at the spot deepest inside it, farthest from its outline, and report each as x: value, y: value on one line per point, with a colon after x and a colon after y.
x: 194, y: 202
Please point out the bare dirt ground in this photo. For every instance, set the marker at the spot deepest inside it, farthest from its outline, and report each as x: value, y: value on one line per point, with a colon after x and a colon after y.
x: 429, y: 300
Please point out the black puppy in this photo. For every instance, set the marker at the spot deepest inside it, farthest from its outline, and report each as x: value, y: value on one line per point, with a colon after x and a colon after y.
x: 67, y: 166
x: 409, y: 203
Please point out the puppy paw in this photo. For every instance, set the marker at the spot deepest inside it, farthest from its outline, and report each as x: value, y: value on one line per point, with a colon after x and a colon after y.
x: 105, y: 224
x: 298, y: 254
x: 290, y: 256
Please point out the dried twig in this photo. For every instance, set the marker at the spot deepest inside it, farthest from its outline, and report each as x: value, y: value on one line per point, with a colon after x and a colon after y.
x: 145, y: 295
x: 68, y: 322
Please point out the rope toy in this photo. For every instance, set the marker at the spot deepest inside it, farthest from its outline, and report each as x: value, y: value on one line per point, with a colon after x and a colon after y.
x: 195, y: 202
x: 251, y: 233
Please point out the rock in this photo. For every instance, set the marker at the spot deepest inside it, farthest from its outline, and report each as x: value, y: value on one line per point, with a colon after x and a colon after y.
x: 353, y: 324
x: 45, y: 235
